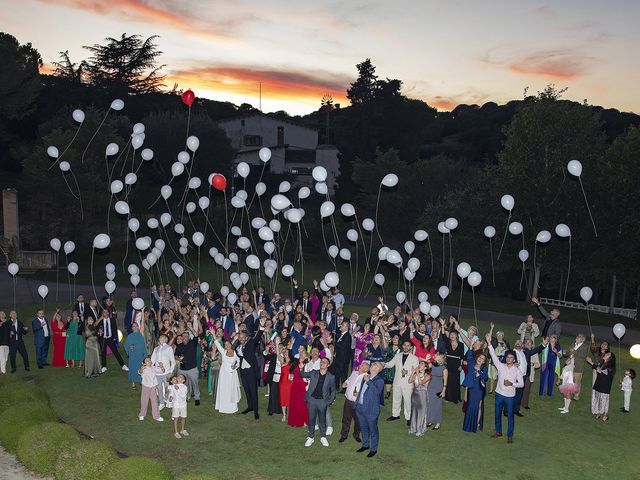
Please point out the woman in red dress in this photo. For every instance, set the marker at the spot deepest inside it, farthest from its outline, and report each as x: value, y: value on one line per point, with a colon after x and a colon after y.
x: 298, y: 413
x: 59, y: 333
x: 285, y: 382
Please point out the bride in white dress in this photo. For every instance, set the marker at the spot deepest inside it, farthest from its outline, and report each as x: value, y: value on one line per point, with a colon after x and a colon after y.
x: 228, y: 388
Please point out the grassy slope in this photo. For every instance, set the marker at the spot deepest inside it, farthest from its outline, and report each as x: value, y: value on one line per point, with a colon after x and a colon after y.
x: 574, y: 445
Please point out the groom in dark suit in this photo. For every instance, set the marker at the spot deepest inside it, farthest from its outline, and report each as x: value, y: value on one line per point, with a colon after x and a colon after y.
x: 249, y: 372
x: 321, y: 394
x: 41, y: 337
x: 16, y: 342
x: 368, y: 402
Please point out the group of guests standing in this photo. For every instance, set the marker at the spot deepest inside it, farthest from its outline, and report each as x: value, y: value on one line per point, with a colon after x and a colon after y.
x: 306, y: 352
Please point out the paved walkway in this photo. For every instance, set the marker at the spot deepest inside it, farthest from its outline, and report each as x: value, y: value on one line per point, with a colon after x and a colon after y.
x: 11, y: 469
x: 27, y: 294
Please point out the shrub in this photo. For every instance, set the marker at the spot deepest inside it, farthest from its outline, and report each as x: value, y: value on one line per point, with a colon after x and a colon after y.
x: 15, y: 420
x: 88, y: 460
x: 17, y: 392
x: 137, y: 468
x: 39, y: 447
x: 197, y: 476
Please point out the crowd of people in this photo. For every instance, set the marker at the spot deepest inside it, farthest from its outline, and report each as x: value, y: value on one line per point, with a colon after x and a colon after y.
x: 306, y: 351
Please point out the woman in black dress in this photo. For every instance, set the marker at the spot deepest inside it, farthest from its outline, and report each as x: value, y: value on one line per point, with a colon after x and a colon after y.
x: 455, y: 355
x: 605, y: 371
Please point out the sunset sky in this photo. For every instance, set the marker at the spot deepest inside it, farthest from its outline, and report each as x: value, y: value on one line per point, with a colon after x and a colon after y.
x: 446, y: 52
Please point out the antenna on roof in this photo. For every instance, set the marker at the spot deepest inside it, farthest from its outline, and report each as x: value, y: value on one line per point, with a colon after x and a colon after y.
x: 260, y: 101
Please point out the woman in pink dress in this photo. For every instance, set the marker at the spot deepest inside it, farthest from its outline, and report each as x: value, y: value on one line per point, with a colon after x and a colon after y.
x: 363, y: 338
x: 298, y: 410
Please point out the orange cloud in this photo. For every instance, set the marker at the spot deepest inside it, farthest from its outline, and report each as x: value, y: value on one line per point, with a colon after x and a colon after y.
x: 47, y: 68
x: 281, y: 84
x: 157, y: 14
x: 442, y: 104
x: 555, y: 64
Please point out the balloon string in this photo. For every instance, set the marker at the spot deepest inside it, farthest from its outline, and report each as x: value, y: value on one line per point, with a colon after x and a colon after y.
x: 443, y: 256
x: 430, y: 255
x: 504, y: 237
x: 326, y: 248
x: 475, y: 316
x: 79, y: 194
x: 450, y: 254
x: 377, y: 227
x: 493, y: 273
x: 95, y: 295
x: 160, y: 196
x: 373, y: 279
x: 588, y: 208
x: 301, y: 256
x: 109, y: 211
x: 64, y: 177
x: 264, y: 165
x: 521, y: 277
x: 64, y: 151
x: 94, y: 135
x: 57, y: 273
x: 125, y: 152
x: 126, y: 253
x: 68, y: 276
x: 460, y: 302
x: 568, y: 271
x: 226, y: 216
x: 589, y: 319
x: 535, y: 263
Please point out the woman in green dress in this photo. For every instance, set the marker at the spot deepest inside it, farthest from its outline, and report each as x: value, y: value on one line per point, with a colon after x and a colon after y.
x: 213, y: 358
x: 136, y: 349
x: 92, y: 364
x: 148, y: 331
x: 74, y: 348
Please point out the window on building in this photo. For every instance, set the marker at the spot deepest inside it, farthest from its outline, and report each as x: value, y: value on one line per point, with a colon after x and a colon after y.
x: 242, y: 123
x: 280, y: 135
x: 252, y: 140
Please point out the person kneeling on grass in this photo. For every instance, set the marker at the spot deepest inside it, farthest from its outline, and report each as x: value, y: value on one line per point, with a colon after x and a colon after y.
x: 149, y: 391
x: 178, y: 398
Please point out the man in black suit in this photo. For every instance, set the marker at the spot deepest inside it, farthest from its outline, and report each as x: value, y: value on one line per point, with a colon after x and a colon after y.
x: 321, y: 394
x: 92, y: 311
x: 4, y: 342
x: 16, y: 342
x: 342, y: 354
x: 80, y: 307
x: 246, y: 348
x: 107, y: 336
x: 251, y: 321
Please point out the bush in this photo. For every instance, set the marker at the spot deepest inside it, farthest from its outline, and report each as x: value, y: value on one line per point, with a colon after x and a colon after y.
x: 15, y: 420
x: 137, y: 468
x: 17, y: 392
x: 39, y: 447
x: 197, y: 476
x: 88, y: 460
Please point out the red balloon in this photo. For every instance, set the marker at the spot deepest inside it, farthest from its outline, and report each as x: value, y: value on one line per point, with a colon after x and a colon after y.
x: 219, y: 182
x: 188, y: 98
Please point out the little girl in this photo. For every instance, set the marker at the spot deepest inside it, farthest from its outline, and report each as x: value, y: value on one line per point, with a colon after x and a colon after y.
x: 626, y: 385
x: 178, y: 398
x: 150, y: 389
x: 568, y: 388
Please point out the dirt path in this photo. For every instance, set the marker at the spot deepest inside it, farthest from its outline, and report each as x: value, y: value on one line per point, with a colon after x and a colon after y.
x: 11, y: 469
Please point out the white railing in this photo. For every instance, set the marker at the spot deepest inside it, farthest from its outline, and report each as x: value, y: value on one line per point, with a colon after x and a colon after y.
x: 623, y: 312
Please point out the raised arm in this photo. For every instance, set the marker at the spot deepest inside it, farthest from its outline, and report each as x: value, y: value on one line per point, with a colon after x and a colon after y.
x: 492, y: 352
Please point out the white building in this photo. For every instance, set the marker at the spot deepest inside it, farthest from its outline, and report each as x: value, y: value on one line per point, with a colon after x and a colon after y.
x: 294, y: 148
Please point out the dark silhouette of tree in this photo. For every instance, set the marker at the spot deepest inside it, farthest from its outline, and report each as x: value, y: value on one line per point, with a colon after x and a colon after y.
x: 19, y: 78
x: 128, y: 64
x: 363, y: 90
x: 66, y: 69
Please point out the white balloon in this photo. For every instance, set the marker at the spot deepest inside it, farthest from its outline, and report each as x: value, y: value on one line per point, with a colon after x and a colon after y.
x: 515, y: 228
x: 237, y: 202
x: 634, y: 351
x: 258, y: 223
x: 165, y: 219
x: 321, y: 188
x: 179, y: 270
x: 243, y: 169
x: 326, y: 209
x: 352, y: 235
x: 382, y: 253
x: 253, y: 262
x: 183, y: 250
x: 176, y: 169
x: 190, y: 207
x: 110, y: 287
x: 65, y: 166
x: 146, y: 154
x: 203, y: 203
x: 408, y: 274
x: 109, y: 268
x: 420, y: 235
x: 193, y: 143
x: 43, y: 291
x: 287, y: 271
x: 159, y: 243
x: 523, y: 255
x: 52, y: 151
x: 116, y: 186
x: 264, y: 154
x: 368, y: 224
x: 13, y: 269
x: 434, y: 311
x: 507, y: 202
x: 489, y: 231
x: 101, y: 241
x: 244, y: 276
x: 563, y: 230
x: 134, y: 280
x: 303, y: 193
x: 332, y: 279
x: 423, y: 297
x: 463, y: 270
x: 138, y: 128
x: 575, y: 168
x: 226, y: 264
x: 347, y: 210
x: 232, y: 298
x: 133, y: 224
x: 194, y: 182
x: 413, y: 264
x: 143, y: 243
x: 379, y: 279
x: 261, y: 188
x: 586, y: 293
x: 117, y: 104
x: 280, y: 202
x: 390, y: 180
x: 284, y: 187
x: 345, y: 254
x: 178, y: 228
x: 153, y: 223
x: 619, y: 330
x: 219, y: 259
x: 72, y: 268
x: 443, y: 292
x: 425, y: 307
x: 265, y: 234
x: 269, y: 272
x: 112, y: 149
x: 442, y: 228
x: 78, y: 115
x: 55, y: 244
x: 198, y: 239
x: 451, y: 223
x: 137, y: 303
x: 166, y: 191
x: 183, y: 242
x: 224, y: 290
x: 122, y: 207
x: 319, y: 173
x: 275, y: 225
x: 294, y: 215
x: 474, y: 279
x: 401, y: 297
x: 183, y: 158
x: 137, y: 141
x: 235, y: 230
x: 134, y: 270
x: 409, y: 247
x: 543, y: 236
x: 269, y: 248
x: 233, y: 256
x: 394, y: 257
x: 69, y: 247
x: 333, y: 251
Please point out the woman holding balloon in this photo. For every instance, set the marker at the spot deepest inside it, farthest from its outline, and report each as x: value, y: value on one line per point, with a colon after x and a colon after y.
x: 605, y: 371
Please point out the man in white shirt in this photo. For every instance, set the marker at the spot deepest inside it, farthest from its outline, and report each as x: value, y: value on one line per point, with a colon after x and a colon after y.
x: 338, y: 298
x: 108, y: 340
x: 509, y: 378
x: 41, y: 338
x: 349, y: 410
x: 162, y: 356
x: 521, y: 360
x: 404, y: 362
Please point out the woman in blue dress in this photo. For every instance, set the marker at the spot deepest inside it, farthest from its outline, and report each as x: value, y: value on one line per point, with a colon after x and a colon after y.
x: 136, y: 350
x: 475, y: 381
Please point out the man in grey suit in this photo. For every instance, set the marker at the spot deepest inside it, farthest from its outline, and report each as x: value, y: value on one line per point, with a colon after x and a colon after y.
x: 552, y: 325
x: 580, y: 351
x: 320, y: 394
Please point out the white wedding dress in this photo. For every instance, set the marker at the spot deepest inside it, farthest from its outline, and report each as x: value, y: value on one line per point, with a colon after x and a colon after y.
x: 228, y: 388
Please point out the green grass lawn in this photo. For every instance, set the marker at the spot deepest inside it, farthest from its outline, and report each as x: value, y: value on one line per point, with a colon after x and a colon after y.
x: 546, y: 443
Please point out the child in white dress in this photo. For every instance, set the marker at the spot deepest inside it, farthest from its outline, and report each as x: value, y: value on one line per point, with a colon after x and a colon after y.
x: 568, y: 388
x: 626, y: 385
